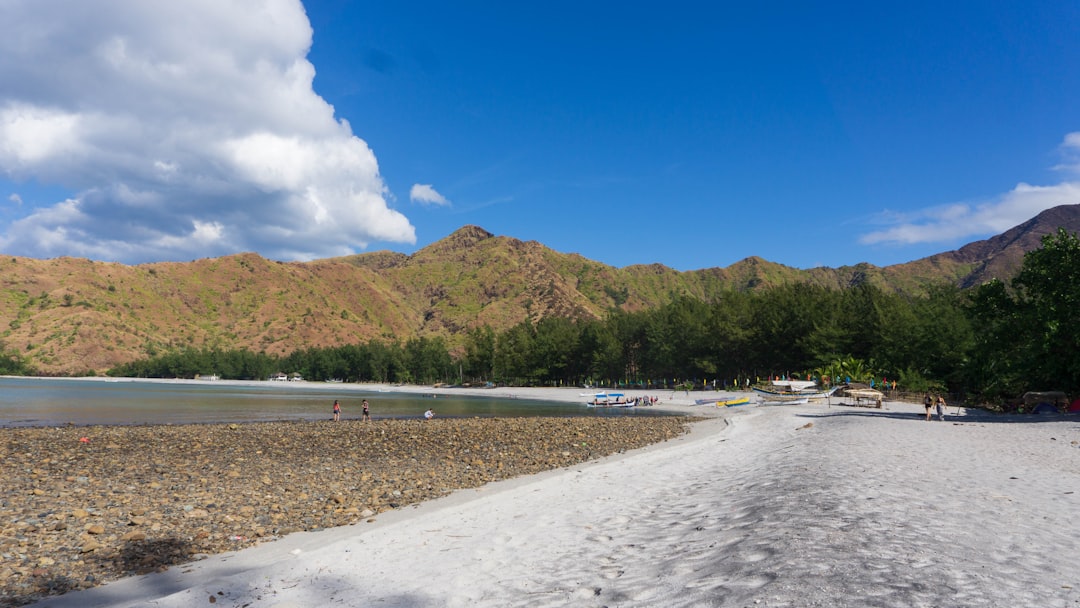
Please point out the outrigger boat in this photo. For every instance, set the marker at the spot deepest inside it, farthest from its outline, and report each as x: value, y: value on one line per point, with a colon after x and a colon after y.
x: 792, y: 392
x: 785, y: 401
x: 722, y: 402
x: 610, y: 400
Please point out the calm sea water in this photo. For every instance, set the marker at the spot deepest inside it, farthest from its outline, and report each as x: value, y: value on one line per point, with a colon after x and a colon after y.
x: 51, y: 402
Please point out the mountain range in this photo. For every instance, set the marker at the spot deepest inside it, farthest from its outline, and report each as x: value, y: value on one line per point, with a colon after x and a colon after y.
x: 75, y: 316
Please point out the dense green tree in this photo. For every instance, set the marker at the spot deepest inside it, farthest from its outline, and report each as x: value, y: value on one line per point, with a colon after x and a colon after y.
x: 727, y: 336
x: 553, y: 348
x: 995, y: 369
x: 513, y: 354
x: 600, y: 352
x: 1048, y: 294
x: 624, y: 361
x: 428, y: 361
x: 479, y: 359
x: 1028, y: 338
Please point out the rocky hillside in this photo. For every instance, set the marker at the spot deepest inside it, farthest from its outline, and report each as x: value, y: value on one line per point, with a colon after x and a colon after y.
x: 71, y: 316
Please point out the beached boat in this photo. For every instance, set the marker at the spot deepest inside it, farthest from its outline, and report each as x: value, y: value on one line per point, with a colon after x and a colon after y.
x: 786, y: 401
x: 723, y: 401
x: 801, y: 395
x: 606, y: 399
x: 794, y: 385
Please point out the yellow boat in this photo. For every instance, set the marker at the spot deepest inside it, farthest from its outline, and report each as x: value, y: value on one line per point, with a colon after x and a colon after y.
x: 733, y: 402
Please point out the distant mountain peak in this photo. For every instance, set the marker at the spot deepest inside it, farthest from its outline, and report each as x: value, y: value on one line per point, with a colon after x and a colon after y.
x: 469, y: 235
x: 1001, y: 256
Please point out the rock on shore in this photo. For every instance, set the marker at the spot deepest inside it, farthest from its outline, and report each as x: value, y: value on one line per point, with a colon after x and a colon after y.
x: 84, y: 505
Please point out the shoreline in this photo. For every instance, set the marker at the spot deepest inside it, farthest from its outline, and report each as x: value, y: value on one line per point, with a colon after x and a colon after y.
x: 669, y: 403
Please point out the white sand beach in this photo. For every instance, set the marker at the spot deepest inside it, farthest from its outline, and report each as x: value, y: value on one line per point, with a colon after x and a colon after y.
x: 812, y: 505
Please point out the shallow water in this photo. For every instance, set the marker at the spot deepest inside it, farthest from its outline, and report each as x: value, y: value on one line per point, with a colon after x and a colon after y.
x: 57, y: 401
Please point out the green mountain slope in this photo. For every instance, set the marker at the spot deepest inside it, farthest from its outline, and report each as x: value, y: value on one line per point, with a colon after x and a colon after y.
x: 71, y: 316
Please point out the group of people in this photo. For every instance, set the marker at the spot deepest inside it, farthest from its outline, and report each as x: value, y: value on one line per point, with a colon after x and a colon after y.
x: 931, y: 403
x: 366, y: 415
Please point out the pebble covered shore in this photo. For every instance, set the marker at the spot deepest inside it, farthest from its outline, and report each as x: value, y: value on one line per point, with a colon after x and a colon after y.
x: 80, y: 506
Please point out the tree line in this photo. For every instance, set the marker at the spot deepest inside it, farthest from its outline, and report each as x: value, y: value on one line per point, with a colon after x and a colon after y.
x: 990, y: 342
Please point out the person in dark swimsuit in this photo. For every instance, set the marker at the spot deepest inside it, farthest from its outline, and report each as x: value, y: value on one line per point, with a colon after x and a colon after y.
x: 366, y: 415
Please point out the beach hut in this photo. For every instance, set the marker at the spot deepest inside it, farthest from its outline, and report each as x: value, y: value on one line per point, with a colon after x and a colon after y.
x: 867, y: 396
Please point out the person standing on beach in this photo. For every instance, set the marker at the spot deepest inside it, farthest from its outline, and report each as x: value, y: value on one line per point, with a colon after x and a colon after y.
x: 366, y: 414
x: 941, y: 408
x: 337, y: 410
x: 928, y: 403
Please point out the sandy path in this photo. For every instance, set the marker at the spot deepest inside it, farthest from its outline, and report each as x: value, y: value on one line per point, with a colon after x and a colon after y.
x: 863, y: 508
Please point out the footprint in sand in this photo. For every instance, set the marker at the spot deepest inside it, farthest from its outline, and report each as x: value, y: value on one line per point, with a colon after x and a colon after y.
x: 752, y: 557
x: 755, y: 581
x: 610, y: 573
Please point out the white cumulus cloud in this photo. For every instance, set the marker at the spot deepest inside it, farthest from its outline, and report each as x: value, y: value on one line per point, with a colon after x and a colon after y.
x: 183, y: 130
x: 425, y: 194
x: 966, y: 220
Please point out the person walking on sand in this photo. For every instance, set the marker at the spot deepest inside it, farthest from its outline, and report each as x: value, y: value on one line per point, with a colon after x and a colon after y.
x: 941, y: 408
x: 366, y: 415
x: 928, y: 403
x: 337, y: 410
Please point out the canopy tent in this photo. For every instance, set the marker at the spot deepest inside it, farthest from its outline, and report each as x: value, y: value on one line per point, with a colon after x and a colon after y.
x: 1045, y: 402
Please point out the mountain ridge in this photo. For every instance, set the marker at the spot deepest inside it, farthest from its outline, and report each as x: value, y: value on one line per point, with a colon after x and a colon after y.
x: 74, y: 316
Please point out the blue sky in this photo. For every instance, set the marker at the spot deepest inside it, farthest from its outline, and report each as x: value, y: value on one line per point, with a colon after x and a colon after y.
x: 684, y: 133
